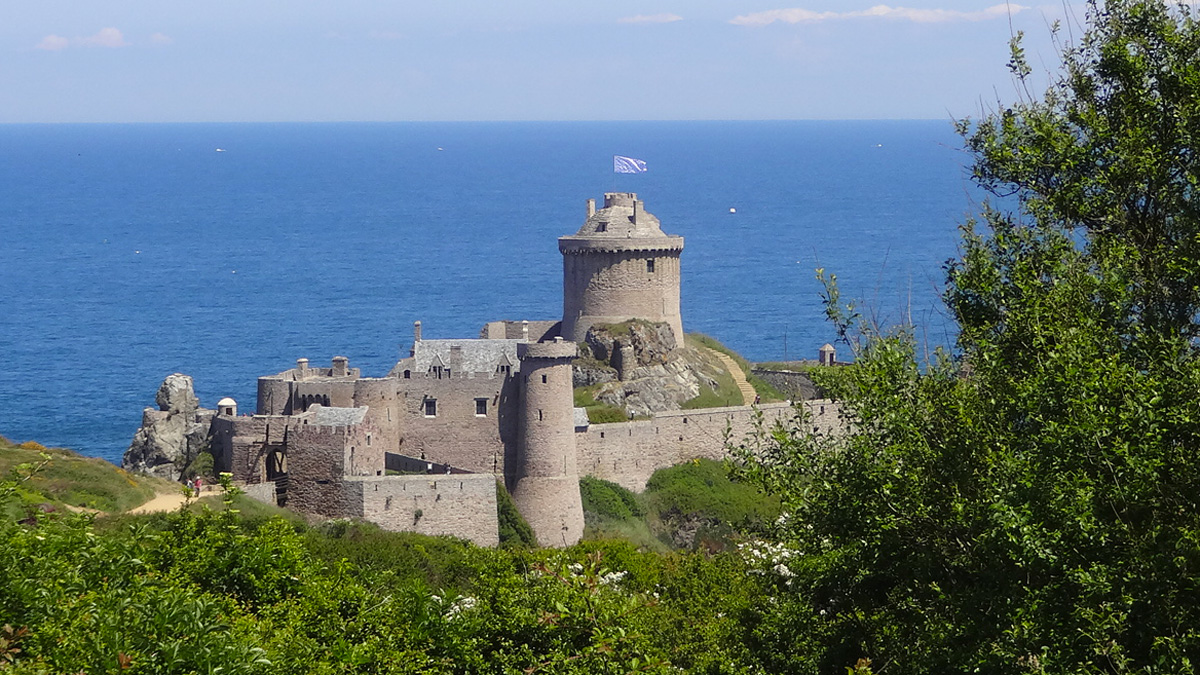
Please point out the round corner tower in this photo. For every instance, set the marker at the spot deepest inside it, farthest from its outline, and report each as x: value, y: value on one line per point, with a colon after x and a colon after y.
x: 620, y: 266
x: 545, y: 480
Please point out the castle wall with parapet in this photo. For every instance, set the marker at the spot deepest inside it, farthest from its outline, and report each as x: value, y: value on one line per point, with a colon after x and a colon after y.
x: 628, y: 453
x: 460, y: 505
x: 322, y: 457
x: 456, y: 434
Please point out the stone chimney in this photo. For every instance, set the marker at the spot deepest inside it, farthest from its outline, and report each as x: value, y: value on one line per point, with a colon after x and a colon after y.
x: 416, y: 331
x: 340, y: 364
x: 302, y: 367
x: 591, y: 206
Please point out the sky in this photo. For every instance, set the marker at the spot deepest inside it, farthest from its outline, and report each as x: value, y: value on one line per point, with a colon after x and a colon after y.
x: 400, y: 60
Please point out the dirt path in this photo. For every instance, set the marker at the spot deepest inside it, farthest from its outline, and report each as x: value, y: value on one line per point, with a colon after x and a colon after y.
x: 169, y: 501
x: 739, y: 378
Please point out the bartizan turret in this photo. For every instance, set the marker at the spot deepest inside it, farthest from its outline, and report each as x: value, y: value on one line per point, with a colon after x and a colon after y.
x: 620, y: 266
x: 544, y: 480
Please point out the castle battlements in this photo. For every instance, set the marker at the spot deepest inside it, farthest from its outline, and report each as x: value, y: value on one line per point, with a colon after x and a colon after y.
x: 456, y: 412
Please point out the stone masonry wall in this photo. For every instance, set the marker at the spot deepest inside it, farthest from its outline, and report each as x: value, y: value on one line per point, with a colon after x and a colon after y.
x: 461, y: 505
x: 603, y: 287
x: 627, y: 453
x: 457, y: 435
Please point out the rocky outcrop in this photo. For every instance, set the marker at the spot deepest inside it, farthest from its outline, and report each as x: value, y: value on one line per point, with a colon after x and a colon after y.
x: 170, y: 437
x: 640, y: 367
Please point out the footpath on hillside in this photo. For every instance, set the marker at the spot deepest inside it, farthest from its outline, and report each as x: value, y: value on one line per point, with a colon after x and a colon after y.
x: 171, y: 501
x: 739, y: 378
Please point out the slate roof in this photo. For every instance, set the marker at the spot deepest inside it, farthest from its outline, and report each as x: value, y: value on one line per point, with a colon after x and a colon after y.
x: 478, y: 356
x: 337, y: 417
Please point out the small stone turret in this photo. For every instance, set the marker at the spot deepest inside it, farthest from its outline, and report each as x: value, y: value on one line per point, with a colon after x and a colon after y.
x: 620, y: 266
x: 544, y: 479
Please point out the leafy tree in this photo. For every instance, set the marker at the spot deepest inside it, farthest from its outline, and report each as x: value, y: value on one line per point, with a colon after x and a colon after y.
x: 1027, y: 503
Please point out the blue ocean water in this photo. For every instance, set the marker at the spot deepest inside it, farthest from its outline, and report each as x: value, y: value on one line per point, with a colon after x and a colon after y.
x: 134, y: 251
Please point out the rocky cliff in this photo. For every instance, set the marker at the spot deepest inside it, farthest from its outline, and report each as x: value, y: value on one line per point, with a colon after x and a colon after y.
x: 639, y: 366
x: 170, y: 437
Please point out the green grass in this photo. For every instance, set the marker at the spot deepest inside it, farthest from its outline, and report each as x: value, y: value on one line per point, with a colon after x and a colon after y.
x: 69, y: 478
x: 766, y: 393
x: 598, y: 412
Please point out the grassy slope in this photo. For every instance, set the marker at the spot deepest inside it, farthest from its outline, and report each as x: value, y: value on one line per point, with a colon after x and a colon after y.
x: 68, y: 478
x: 728, y: 393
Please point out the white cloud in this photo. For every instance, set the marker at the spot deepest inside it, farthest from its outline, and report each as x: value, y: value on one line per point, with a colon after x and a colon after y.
x: 105, y: 37
x: 651, y: 18
x: 161, y: 39
x: 876, y: 12
x: 53, y: 43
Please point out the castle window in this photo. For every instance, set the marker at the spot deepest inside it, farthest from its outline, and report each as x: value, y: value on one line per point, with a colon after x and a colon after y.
x: 539, y: 415
x: 408, y: 374
x: 602, y: 227
x: 650, y: 265
x: 481, y: 407
x: 504, y: 370
x: 543, y: 379
x: 431, y: 407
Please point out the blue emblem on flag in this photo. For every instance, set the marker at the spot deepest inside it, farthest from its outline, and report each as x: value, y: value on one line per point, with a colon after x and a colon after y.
x: 628, y: 165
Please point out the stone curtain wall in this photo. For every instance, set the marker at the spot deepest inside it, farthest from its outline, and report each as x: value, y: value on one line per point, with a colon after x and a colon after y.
x: 627, y: 453
x: 460, y: 505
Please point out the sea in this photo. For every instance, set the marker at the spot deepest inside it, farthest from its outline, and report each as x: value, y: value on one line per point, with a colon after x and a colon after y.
x: 226, y: 251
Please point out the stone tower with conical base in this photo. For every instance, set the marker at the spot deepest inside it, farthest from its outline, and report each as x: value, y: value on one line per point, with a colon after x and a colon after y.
x: 544, y: 480
x: 620, y: 266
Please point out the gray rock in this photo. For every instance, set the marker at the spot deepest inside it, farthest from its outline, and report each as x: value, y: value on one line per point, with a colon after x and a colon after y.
x: 170, y: 437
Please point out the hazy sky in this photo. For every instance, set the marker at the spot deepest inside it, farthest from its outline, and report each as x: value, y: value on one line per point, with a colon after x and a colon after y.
x: 301, y: 60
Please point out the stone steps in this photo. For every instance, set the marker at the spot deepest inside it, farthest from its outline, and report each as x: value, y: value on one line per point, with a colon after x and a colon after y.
x: 739, y: 378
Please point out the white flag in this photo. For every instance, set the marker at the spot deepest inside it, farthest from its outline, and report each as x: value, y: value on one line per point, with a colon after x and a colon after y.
x: 628, y: 165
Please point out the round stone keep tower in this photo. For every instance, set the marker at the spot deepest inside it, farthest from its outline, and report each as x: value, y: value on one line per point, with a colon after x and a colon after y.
x: 545, y: 481
x: 620, y: 266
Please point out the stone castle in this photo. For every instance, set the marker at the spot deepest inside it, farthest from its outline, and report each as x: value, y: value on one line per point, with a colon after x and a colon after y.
x: 422, y: 447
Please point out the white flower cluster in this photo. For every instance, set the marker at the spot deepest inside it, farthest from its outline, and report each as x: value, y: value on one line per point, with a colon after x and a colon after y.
x: 612, y: 577
x: 767, y: 557
x: 457, y: 606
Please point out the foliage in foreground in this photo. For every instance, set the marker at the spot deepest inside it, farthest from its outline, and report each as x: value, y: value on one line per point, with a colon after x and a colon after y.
x: 211, y: 591
x: 1028, y: 504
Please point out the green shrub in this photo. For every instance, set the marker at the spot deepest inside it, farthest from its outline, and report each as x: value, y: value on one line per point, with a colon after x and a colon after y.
x: 201, y: 466
x: 514, y: 531
x: 703, y: 486
x: 608, y: 500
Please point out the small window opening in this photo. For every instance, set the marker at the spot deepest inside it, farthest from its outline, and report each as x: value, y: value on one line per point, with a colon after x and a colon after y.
x: 602, y: 227
x: 481, y: 407
x: 539, y: 414
x: 650, y: 265
x: 543, y: 379
x: 431, y: 407
x: 408, y: 374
